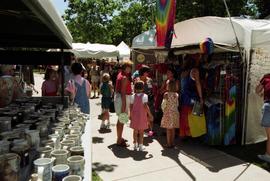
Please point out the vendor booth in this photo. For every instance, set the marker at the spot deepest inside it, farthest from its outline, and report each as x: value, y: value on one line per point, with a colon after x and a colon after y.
x: 239, y: 112
x: 37, y: 134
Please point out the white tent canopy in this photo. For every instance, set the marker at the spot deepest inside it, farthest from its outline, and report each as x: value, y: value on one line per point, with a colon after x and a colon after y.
x: 88, y: 50
x: 124, y: 50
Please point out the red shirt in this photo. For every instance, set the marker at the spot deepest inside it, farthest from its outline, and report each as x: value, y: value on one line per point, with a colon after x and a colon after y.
x: 119, y: 79
x: 266, y: 86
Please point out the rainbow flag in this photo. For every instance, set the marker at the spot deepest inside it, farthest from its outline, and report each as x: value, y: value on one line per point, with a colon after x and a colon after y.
x: 165, y: 17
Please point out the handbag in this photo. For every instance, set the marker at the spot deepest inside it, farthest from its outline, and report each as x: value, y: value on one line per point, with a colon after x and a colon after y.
x: 197, y: 109
x: 123, y: 118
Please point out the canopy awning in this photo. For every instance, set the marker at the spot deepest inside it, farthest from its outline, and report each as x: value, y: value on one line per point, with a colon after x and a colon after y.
x: 32, y: 24
x: 250, y: 33
x: 124, y: 50
x: 88, y: 50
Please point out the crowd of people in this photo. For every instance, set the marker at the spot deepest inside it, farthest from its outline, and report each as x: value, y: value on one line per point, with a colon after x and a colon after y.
x: 133, y: 97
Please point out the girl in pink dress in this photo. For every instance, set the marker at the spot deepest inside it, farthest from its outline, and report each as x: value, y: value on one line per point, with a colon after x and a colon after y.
x: 139, y: 111
x: 170, y: 119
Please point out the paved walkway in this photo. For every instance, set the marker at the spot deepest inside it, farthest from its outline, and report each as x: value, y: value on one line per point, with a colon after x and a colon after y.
x: 189, y: 161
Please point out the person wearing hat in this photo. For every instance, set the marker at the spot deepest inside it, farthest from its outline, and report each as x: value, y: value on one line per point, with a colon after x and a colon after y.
x: 78, y: 88
x: 10, y: 88
x: 122, y: 99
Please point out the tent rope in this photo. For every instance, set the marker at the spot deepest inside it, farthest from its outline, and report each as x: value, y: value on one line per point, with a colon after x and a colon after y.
x: 237, y: 41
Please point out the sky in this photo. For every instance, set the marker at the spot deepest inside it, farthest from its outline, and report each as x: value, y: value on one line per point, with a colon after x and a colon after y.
x: 60, y: 6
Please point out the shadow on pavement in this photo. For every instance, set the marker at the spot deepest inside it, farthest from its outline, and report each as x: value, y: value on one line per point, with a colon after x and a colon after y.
x: 104, y: 131
x: 96, y: 140
x: 210, y: 158
x: 121, y: 152
x: 174, y: 155
x: 98, y: 167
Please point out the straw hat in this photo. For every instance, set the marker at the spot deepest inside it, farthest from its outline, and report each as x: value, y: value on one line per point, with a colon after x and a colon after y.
x: 127, y: 63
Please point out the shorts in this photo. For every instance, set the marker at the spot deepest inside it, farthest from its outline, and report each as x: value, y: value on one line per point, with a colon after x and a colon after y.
x: 106, y: 102
x: 118, y: 103
x: 266, y: 115
x: 94, y: 79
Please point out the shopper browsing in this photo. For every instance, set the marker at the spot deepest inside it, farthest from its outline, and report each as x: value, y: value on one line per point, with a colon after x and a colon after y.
x: 51, y: 85
x: 263, y: 90
x: 170, y: 119
x: 106, y: 100
x: 139, y: 111
x: 79, y: 88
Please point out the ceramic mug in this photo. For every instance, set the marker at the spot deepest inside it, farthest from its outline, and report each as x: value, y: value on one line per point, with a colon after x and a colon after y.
x: 73, y: 178
x: 60, y: 156
x: 76, y: 164
x: 49, y: 143
x: 56, y: 140
x: 76, y: 150
x: 60, y: 171
x: 43, y: 168
x: 66, y: 144
x: 75, y: 138
x: 45, y: 152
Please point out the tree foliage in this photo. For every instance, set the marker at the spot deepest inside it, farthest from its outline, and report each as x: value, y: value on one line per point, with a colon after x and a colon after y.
x: 113, y: 21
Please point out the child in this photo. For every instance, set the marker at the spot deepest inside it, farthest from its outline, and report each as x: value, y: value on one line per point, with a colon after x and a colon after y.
x: 106, y: 100
x: 170, y: 119
x: 50, y: 85
x: 139, y: 112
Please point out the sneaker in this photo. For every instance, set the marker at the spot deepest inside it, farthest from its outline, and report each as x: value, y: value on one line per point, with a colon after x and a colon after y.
x: 102, y: 126
x: 264, y: 157
x: 100, y: 116
x: 135, y: 147
x: 108, y: 126
x: 141, y: 148
x: 150, y: 133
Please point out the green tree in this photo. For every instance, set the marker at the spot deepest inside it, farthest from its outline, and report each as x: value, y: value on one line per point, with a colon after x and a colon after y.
x: 263, y: 7
x: 88, y: 20
x: 198, y: 8
x: 113, y: 21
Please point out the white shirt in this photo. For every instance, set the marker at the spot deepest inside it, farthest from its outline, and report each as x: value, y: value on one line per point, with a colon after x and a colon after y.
x: 144, y: 98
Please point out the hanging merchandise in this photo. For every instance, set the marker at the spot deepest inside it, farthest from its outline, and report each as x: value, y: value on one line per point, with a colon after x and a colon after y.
x: 165, y: 22
x: 207, y: 46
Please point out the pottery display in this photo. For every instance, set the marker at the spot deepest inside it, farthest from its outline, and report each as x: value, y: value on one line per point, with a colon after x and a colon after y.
x: 60, y: 171
x: 76, y: 164
x: 43, y: 167
x: 60, y: 156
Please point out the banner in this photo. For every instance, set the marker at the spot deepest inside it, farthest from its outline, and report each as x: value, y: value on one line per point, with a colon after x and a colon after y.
x: 165, y: 17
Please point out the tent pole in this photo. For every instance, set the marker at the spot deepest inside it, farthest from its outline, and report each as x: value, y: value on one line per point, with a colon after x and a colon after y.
x: 62, y: 75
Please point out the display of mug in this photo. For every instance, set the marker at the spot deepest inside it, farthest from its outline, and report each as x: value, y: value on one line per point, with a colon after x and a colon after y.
x: 43, y: 168
x: 60, y: 171
x: 56, y: 140
x: 60, y: 156
x: 66, y: 144
x: 76, y: 164
x: 45, y: 152
x: 49, y: 143
x: 73, y: 178
x: 75, y: 138
x: 10, y: 163
x: 33, y: 137
x: 76, y: 150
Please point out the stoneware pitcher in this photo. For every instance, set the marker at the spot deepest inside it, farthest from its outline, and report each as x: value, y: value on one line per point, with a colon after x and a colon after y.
x: 44, y: 168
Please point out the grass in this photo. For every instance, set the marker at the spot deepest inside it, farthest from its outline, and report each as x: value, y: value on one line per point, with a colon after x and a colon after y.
x: 95, y: 177
x: 247, y: 153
